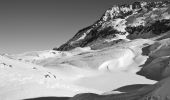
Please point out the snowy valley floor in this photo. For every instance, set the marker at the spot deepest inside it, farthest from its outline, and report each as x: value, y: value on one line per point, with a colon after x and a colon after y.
x: 65, y: 74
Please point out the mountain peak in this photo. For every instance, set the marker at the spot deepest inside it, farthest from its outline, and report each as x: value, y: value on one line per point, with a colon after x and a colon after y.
x: 123, y: 23
x: 122, y: 11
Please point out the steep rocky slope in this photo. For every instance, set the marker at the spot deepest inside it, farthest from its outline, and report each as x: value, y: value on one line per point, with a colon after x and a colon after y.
x: 123, y: 23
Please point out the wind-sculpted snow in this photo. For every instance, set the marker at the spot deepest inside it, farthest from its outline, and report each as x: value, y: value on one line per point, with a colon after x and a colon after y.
x: 53, y: 74
x: 123, y: 57
x: 20, y: 80
x: 125, y: 62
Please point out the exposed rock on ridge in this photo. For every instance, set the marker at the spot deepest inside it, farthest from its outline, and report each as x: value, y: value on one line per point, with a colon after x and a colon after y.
x: 123, y: 23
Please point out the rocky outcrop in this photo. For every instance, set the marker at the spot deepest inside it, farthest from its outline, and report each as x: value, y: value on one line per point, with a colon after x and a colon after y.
x: 158, y: 91
x: 135, y: 95
x: 157, y: 67
x: 50, y: 98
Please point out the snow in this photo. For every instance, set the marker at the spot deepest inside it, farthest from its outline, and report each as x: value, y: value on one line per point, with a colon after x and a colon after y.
x: 117, y: 64
x: 118, y: 24
x: 118, y: 36
x: 109, y: 81
x: 23, y: 81
x: 165, y: 16
x: 140, y: 21
x: 84, y: 35
x: 125, y: 9
x: 38, y: 55
x: 143, y: 4
x: 80, y: 50
x: 127, y: 62
x: 20, y: 79
x: 114, y: 11
x: 81, y: 70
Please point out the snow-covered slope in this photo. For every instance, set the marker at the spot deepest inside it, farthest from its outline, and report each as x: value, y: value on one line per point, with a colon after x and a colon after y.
x: 122, y: 57
x: 54, y: 73
x: 20, y: 80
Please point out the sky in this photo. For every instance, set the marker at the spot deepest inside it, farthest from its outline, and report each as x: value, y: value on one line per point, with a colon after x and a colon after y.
x: 31, y: 25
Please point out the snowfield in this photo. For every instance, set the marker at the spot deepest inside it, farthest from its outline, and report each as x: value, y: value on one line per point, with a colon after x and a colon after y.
x: 54, y: 73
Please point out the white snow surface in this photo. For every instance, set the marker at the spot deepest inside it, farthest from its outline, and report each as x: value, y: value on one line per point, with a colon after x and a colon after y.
x: 84, y: 35
x: 54, y: 73
x: 118, y: 24
x: 118, y: 36
x: 138, y: 21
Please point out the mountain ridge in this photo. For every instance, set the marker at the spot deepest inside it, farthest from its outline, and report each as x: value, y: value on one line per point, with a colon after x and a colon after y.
x: 123, y: 23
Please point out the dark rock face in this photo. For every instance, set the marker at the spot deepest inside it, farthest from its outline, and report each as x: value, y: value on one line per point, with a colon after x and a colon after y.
x: 132, y: 88
x: 149, y: 31
x: 157, y: 67
x: 50, y: 98
x: 134, y: 95
x: 158, y: 91
x: 121, y: 23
